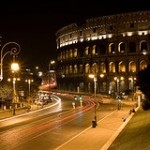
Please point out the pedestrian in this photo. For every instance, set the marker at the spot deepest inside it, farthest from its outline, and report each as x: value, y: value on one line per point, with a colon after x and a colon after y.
x: 133, y: 110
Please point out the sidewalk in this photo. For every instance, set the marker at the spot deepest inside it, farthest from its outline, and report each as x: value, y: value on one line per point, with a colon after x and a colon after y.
x: 101, y: 137
x: 9, y: 113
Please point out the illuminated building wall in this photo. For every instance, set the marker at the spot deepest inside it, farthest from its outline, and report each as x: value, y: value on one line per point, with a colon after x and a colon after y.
x: 116, y: 46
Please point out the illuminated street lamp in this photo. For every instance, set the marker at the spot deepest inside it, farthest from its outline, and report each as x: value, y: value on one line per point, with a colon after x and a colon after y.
x: 14, y: 68
x: 51, y: 63
x: 132, y: 83
x: 29, y: 100
x: 118, y: 97
x: 94, y: 77
x: 51, y: 70
x: 95, y: 80
x: 29, y: 81
x: 117, y: 79
x: 13, y: 51
x: 102, y: 76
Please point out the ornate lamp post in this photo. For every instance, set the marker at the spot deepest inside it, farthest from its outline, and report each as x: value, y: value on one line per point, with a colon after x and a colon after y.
x: 14, y: 50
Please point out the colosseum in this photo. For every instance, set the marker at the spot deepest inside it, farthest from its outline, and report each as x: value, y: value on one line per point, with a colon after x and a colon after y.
x: 104, y: 54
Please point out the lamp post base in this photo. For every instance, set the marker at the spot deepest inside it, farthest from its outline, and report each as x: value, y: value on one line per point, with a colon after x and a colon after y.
x: 94, y: 123
x: 14, y: 111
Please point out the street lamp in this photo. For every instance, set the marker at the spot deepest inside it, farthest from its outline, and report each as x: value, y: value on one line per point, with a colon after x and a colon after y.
x: 118, y: 97
x: 13, y: 51
x: 102, y: 76
x: 117, y: 79
x: 51, y: 70
x: 94, y: 77
x: 95, y: 80
x: 14, y: 68
x: 132, y: 83
x: 51, y: 63
x: 29, y: 100
x: 29, y: 86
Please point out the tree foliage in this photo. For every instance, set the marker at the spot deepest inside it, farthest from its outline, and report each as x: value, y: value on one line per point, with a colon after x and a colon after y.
x: 143, y: 83
x: 5, y: 92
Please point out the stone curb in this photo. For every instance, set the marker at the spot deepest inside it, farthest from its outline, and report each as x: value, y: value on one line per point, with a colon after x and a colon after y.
x: 114, y: 136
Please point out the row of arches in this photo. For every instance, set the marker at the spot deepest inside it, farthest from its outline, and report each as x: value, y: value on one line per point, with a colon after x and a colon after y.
x: 100, y: 49
x: 113, y: 67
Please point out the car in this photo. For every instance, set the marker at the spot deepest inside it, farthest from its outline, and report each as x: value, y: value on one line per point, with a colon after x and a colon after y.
x: 39, y: 102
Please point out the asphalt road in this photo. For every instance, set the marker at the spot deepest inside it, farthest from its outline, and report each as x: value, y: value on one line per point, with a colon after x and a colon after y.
x: 49, y: 128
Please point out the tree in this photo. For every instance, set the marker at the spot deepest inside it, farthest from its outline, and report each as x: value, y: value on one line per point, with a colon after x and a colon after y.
x: 143, y: 83
x: 5, y: 95
x: 6, y: 92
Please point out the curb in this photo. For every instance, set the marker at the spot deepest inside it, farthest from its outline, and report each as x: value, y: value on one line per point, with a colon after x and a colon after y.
x: 114, y: 136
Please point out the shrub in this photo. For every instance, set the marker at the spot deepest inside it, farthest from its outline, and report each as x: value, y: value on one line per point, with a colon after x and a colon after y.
x: 146, y: 104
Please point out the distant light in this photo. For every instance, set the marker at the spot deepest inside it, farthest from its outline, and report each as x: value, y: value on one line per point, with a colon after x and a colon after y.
x: 28, y: 70
x: 94, y: 38
x: 51, y: 71
x: 81, y: 39
x: 144, y: 52
x: 91, y: 75
x: 37, y: 67
x: 63, y: 76
x: 101, y: 75
x: 109, y: 35
x: 8, y: 79
x: 142, y: 32
x: 52, y: 62
x: 40, y: 74
x: 129, y: 33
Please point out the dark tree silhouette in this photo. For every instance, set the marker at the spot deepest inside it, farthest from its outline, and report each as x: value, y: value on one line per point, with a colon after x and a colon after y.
x: 143, y: 83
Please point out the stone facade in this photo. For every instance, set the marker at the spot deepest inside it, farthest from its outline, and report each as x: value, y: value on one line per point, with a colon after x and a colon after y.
x: 112, y: 48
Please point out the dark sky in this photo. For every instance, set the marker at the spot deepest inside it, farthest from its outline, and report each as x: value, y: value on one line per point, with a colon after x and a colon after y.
x: 33, y: 24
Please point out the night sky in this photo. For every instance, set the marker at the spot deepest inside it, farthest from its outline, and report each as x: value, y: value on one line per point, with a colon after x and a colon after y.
x: 33, y: 24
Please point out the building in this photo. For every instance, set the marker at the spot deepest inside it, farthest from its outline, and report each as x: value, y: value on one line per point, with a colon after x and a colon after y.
x: 112, y: 48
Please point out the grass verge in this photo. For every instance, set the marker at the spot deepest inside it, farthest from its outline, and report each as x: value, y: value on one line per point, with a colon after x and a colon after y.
x: 136, y: 134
